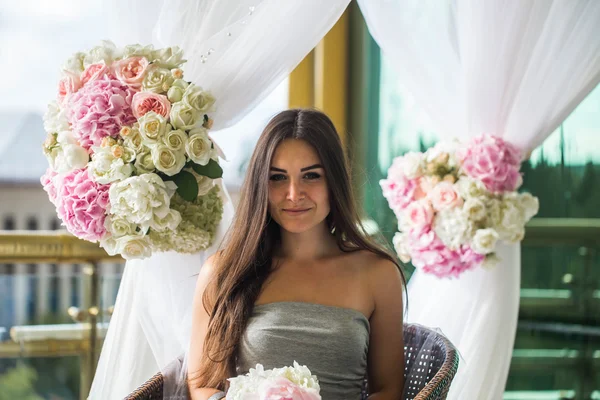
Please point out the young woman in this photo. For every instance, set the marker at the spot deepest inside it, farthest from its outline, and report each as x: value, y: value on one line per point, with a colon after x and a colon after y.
x: 298, y: 279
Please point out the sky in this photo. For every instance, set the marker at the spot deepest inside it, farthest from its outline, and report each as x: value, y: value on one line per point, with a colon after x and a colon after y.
x: 38, y: 36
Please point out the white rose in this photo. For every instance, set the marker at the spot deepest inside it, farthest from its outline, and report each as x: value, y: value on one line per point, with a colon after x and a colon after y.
x: 474, y: 209
x: 166, y: 160
x: 512, y: 226
x: 74, y: 64
x: 176, y: 140
x: 134, y: 247
x: 134, y: 141
x: 484, y: 241
x: 144, y: 162
x: 452, y: 227
x: 118, y: 227
x: 157, y: 80
x: 182, y: 116
x: 443, y: 147
x: 411, y: 164
x: 169, y: 222
x: 141, y: 199
x: 106, y: 168
x: 110, y: 245
x: 107, y: 52
x: 199, y: 99
x: 170, y: 57
x: 55, y: 119
x: 137, y: 50
x: 199, y: 146
x: 153, y: 128
x: 529, y: 204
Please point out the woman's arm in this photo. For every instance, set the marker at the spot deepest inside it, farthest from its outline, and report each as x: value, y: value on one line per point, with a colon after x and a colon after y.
x: 200, y: 320
x: 386, y: 345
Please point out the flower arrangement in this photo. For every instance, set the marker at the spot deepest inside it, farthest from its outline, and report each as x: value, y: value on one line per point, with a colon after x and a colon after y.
x: 293, y: 383
x: 455, y: 201
x: 131, y: 163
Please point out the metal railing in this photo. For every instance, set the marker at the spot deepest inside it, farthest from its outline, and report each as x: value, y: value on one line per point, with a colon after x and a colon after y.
x: 85, y: 338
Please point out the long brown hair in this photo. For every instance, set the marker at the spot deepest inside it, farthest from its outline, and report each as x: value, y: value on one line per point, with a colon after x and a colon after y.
x: 245, y: 261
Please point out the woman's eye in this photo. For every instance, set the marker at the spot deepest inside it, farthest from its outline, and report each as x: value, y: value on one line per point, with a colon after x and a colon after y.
x: 277, y: 177
x: 312, y: 176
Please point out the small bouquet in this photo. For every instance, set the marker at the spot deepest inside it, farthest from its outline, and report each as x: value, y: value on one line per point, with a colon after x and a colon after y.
x: 132, y: 165
x: 455, y: 201
x: 288, y: 383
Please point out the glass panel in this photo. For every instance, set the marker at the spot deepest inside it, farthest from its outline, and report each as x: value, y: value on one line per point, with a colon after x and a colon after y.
x: 556, y: 350
x: 41, y: 347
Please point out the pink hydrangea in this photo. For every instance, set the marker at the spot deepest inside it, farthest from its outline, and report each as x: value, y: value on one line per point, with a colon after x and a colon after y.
x: 429, y: 254
x: 100, y: 109
x: 399, y: 192
x: 82, y: 205
x: 49, y: 184
x: 492, y: 161
x: 281, y: 388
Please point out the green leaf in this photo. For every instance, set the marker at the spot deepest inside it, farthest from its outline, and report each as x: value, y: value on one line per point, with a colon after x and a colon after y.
x: 211, y: 170
x: 187, y: 187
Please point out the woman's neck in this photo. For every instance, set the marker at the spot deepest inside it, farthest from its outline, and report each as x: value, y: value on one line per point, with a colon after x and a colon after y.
x: 313, y: 244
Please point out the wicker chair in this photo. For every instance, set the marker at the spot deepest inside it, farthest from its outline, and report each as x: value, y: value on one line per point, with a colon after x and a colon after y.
x: 428, y: 372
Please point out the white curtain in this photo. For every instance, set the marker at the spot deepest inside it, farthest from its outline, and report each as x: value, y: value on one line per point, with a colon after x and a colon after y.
x: 240, y: 50
x: 515, y: 68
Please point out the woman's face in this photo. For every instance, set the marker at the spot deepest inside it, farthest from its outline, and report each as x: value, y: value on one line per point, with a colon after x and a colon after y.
x: 298, y: 193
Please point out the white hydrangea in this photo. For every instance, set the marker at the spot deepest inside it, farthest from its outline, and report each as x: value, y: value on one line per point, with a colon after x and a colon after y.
x: 452, y: 227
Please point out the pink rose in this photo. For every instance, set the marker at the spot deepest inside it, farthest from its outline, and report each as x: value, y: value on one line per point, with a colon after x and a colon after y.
x: 93, y: 72
x: 100, y: 109
x: 131, y: 71
x: 144, y: 102
x: 281, y: 388
x: 399, y: 193
x: 444, y: 196
x: 69, y: 84
x: 492, y: 161
x: 419, y: 214
x: 82, y: 205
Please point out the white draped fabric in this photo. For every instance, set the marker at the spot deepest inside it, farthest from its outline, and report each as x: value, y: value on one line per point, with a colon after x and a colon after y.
x: 511, y: 68
x: 240, y: 50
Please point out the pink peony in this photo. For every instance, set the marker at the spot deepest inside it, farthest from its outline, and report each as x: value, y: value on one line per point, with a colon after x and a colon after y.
x: 144, y: 102
x: 281, y: 388
x: 492, y: 161
x: 399, y: 193
x: 444, y: 196
x: 82, y: 205
x: 419, y: 214
x: 131, y: 71
x: 100, y: 109
x: 93, y: 73
x: 69, y: 84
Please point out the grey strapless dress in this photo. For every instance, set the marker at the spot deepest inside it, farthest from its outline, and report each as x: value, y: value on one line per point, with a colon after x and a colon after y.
x: 332, y: 342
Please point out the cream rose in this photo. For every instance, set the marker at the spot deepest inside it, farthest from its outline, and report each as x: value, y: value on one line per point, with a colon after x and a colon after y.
x: 484, y: 241
x: 199, y: 146
x: 153, y: 128
x: 166, y: 160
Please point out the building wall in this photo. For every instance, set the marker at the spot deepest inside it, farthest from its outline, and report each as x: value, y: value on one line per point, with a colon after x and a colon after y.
x: 29, y: 293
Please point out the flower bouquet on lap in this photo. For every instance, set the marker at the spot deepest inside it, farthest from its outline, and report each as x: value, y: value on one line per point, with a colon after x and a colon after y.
x: 455, y: 201
x: 288, y: 383
x: 132, y: 165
